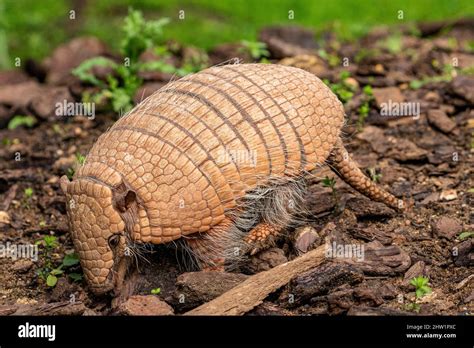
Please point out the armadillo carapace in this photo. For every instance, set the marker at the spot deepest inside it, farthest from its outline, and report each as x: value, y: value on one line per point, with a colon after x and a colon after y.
x: 214, y: 159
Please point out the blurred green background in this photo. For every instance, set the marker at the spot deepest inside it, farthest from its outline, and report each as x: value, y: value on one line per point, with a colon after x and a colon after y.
x: 31, y: 29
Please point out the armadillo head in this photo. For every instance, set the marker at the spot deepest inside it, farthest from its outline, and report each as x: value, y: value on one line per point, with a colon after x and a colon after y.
x: 97, y: 219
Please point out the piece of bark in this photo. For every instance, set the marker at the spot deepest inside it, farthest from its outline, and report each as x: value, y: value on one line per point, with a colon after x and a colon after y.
x: 56, y: 308
x: 321, y: 280
x: 377, y: 311
x: 255, y: 289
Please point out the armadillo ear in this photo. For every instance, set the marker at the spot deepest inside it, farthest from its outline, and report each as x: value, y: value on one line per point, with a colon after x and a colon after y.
x: 124, y: 198
x: 63, y: 182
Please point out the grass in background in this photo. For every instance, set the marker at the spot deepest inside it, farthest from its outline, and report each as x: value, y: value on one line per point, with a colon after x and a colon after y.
x: 31, y: 29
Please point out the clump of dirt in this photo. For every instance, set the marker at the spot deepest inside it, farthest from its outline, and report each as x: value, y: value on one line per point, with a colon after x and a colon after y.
x: 408, y: 95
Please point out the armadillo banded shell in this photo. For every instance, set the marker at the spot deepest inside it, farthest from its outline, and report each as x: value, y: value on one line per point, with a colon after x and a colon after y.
x: 192, y: 149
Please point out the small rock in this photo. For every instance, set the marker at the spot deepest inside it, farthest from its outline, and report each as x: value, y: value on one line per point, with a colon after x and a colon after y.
x: 306, y: 238
x: 439, y: 120
x: 310, y: 63
x: 432, y: 96
x: 44, y: 105
x: 431, y: 198
x: 11, y: 77
x: 196, y: 288
x: 269, y: 308
x: 61, y: 165
x: 89, y: 313
x: 448, y: 195
x: 62, y: 291
x: 229, y: 53
x: 22, y: 266
x: 265, y: 260
x: 145, y: 305
x: 464, y: 87
x: 386, y: 95
x: 288, y: 41
x: 19, y: 95
x: 68, y: 56
x: 463, y: 253
x: 446, y: 227
x: 418, y: 269
x: 4, y: 218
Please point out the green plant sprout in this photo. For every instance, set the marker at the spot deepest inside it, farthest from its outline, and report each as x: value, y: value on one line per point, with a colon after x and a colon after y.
x: 120, y: 86
x: 28, y: 193
x: 80, y: 160
x: 342, y: 89
x: 155, y: 291
x: 365, y: 106
x: 374, y: 176
x: 421, y: 286
x: 20, y: 120
x: 257, y: 50
x: 466, y: 235
x: 331, y: 183
x: 48, y: 272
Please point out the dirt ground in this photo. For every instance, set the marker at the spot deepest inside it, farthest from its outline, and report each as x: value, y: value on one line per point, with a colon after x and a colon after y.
x: 426, y: 160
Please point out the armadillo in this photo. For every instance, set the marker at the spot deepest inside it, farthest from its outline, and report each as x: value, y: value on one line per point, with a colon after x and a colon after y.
x: 214, y: 159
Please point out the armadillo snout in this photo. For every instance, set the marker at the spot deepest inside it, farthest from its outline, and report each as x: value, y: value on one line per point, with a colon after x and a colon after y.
x: 97, y: 231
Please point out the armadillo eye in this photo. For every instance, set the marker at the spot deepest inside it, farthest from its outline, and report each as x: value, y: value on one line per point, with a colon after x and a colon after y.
x: 114, y: 240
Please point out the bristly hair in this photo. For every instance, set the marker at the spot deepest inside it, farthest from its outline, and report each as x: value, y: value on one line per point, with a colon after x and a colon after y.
x: 280, y: 204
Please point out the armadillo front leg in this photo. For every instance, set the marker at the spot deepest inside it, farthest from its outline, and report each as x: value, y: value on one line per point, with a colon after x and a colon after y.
x: 346, y: 168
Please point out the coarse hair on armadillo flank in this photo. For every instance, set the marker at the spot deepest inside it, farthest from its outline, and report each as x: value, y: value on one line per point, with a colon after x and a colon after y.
x: 280, y: 203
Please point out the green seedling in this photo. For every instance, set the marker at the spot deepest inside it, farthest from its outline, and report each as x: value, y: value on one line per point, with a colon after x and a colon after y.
x: 80, y: 160
x: 374, y: 176
x: 332, y: 59
x: 413, y: 307
x: 20, y: 120
x: 466, y: 235
x: 27, y: 195
x: 155, y: 291
x: 331, y: 183
x: 342, y: 89
x: 448, y: 73
x: 393, y: 44
x: 120, y: 86
x: 6, y: 142
x: 364, y: 108
x: 257, y: 50
x: 421, y: 286
x: 49, y: 272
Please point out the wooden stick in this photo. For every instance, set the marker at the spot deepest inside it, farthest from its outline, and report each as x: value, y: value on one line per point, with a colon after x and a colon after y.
x: 254, y: 290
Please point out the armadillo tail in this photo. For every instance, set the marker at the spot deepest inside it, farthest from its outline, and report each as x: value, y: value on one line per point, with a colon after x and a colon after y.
x: 346, y: 168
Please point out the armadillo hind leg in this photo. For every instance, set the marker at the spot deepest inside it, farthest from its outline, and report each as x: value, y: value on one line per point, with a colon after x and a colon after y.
x: 262, y: 237
x: 346, y: 168
x: 222, y: 244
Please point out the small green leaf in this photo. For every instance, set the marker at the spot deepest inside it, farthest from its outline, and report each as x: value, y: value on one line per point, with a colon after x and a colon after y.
x: 156, y: 291
x: 51, y: 280
x: 17, y: 121
x: 83, y: 70
x: 465, y: 235
x: 77, y: 277
x: 56, y: 271
x: 70, y: 260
